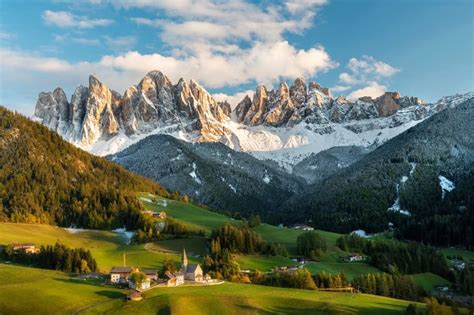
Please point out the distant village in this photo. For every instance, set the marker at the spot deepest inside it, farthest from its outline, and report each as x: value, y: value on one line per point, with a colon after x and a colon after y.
x: 147, y: 279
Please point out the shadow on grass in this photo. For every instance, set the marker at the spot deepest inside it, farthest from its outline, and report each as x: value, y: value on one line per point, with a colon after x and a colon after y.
x: 111, y: 294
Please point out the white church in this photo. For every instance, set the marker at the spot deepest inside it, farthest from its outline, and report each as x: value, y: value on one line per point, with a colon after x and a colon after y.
x: 192, y: 272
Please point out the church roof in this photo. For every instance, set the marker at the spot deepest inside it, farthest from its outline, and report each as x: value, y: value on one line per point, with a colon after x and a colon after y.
x: 192, y: 267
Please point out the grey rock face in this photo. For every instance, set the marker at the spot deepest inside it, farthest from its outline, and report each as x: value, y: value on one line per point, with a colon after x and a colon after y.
x: 98, y: 112
x: 288, y: 106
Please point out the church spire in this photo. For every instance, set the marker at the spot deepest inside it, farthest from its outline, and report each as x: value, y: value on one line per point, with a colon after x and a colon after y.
x: 184, y: 261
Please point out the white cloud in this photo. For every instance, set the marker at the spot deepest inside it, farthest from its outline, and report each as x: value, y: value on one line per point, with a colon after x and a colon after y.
x: 367, y: 68
x: 234, y: 99
x: 367, y: 76
x: 301, y: 5
x: 347, y: 78
x: 373, y: 89
x: 218, y: 44
x: 6, y: 35
x: 66, y: 19
x: 339, y: 88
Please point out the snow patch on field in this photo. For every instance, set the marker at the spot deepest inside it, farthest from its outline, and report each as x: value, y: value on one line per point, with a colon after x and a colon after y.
x: 124, y: 233
x: 146, y: 199
x: 75, y: 230
x: 446, y: 185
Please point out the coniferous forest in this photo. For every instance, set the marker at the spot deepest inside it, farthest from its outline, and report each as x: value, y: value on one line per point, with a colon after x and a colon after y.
x: 44, y: 179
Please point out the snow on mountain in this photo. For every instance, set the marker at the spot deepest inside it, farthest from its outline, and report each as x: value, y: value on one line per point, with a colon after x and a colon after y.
x: 446, y: 185
x: 285, y: 125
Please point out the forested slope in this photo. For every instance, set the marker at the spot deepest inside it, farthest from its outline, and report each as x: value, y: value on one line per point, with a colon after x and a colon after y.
x: 44, y: 179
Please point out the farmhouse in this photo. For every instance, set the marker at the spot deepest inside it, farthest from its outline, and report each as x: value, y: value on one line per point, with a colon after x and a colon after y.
x: 354, y: 257
x: 28, y: 248
x: 145, y: 284
x: 174, y: 279
x: 192, y: 272
x: 303, y: 227
x: 151, y: 274
x: 120, y: 274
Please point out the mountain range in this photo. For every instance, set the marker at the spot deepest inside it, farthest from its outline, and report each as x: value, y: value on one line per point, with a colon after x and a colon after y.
x: 292, y: 154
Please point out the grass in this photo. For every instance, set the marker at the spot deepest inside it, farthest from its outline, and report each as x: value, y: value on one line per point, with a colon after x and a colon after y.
x: 232, y: 298
x: 262, y: 263
x: 429, y: 280
x: 38, y: 291
x: 288, y: 238
x: 187, y: 212
x: 193, y: 246
x: 106, y: 247
x: 467, y: 255
x: 351, y: 270
x: 52, y: 292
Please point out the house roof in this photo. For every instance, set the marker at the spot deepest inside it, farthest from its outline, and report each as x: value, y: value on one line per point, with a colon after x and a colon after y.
x: 23, y: 244
x: 177, y: 274
x: 192, y: 267
x: 148, y: 272
x: 120, y: 270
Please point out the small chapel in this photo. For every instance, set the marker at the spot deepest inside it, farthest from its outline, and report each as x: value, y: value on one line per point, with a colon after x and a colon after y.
x: 192, y: 272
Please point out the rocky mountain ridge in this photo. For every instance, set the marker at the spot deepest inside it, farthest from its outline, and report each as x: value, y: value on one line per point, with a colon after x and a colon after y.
x: 286, y: 124
x: 97, y: 112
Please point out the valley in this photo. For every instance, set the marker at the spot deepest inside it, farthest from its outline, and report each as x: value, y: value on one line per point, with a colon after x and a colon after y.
x: 109, y: 247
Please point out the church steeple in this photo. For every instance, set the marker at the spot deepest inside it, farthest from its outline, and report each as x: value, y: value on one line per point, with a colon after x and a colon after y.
x: 184, y: 261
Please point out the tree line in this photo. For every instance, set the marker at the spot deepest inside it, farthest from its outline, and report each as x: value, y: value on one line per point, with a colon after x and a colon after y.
x: 242, y: 239
x: 172, y: 228
x: 391, y: 285
x: 56, y: 257
x: 394, y: 256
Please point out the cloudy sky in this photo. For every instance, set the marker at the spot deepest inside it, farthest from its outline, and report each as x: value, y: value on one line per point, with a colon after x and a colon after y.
x: 356, y: 48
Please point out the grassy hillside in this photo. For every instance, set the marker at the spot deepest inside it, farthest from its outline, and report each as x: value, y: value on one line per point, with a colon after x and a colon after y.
x: 106, y: 247
x: 186, y: 212
x: 429, y: 280
x: 288, y: 236
x: 56, y: 293
x: 233, y: 298
x: 38, y: 291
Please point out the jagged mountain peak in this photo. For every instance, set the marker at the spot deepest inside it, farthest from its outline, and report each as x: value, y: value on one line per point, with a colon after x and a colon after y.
x: 99, y: 113
x: 286, y: 123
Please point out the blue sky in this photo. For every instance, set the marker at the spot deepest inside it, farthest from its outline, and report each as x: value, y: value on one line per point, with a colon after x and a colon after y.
x: 365, y: 47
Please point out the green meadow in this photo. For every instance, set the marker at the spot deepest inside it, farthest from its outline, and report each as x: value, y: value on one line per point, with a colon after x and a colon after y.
x: 36, y: 291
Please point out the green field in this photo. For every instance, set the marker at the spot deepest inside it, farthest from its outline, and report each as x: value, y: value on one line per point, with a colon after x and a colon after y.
x: 193, y: 245
x: 467, y: 255
x: 231, y: 298
x: 187, y: 212
x: 106, y: 247
x: 262, y: 263
x: 38, y: 291
x: 351, y: 270
x: 288, y: 237
x: 428, y: 280
x: 51, y: 292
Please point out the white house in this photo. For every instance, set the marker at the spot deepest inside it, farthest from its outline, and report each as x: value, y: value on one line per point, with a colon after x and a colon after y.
x: 120, y: 274
x: 145, y: 284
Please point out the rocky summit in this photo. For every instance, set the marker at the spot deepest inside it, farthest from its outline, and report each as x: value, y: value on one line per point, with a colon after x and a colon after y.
x: 285, y: 124
x: 99, y: 113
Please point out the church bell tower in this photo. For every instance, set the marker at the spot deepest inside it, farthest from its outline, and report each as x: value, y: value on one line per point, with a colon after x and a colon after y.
x: 184, y: 261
